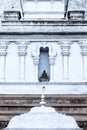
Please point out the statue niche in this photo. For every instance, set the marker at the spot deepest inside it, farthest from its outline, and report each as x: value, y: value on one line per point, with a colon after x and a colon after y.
x: 44, y: 66
x: 44, y: 77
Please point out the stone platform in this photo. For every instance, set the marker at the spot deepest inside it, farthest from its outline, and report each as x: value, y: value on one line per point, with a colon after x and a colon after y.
x: 74, y: 105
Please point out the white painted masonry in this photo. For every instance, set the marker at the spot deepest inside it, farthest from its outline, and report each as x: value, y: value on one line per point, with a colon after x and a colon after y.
x: 62, y: 31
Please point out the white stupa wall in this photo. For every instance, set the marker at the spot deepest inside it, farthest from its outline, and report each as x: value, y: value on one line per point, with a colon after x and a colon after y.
x: 12, y: 64
x: 74, y: 65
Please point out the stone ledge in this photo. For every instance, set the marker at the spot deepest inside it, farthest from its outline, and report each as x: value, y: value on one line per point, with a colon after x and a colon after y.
x: 76, y: 14
x: 37, y: 96
x: 52, y: 104
x: 44, y: 22
x: 12, y: 15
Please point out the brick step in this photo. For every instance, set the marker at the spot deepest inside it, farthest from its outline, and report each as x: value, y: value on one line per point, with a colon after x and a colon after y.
x: 20, y: 112
x: 53, y: 105
x: 35, y: 96
x: 69, y: 105
x: 74, y: 105
x: 79, y: 114
x: 84, y: 114
x: 11, y: 112
x: 18, y: 104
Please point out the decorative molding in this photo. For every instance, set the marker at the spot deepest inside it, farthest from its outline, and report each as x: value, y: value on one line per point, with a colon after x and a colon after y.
x: 19, y: 42
x: 44, y: 44
x: 3, y: 53
x: 35, y: 56
x: 3, y: 48
x: 83, y: 46
x: 22, y: 47
x: 22, y: 50
x: 52, y: 57
x: 84, y: 49
x: 65, y: 50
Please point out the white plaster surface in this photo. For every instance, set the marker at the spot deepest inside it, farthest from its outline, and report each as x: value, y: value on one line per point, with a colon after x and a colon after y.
x: 42, y: 117
x: 13, y: 85
x: 35, y: 88
x: 75, y: 65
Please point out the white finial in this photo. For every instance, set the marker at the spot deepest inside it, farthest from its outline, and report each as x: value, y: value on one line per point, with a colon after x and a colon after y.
x: 43, y: 103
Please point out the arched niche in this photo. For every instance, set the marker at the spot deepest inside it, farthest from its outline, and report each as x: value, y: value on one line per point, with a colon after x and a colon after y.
x: 44, y: 66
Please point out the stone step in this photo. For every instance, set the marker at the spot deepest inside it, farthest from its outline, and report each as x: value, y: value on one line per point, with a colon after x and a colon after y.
x: 19, y: 112
x: 32, y: 105
x: 11, y: 112
x: 75, y: 105
x: 29, y: 96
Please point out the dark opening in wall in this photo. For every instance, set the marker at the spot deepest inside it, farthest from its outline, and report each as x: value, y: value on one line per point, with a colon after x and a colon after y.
x: 44, y: 66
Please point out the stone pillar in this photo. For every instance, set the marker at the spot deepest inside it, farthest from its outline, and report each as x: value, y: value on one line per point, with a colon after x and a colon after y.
x: 52, y: 56
x: 22, y: 55
x: 36, y: 58
x: 3, y: 53
x: 65, y: 48
x: 84, y: 56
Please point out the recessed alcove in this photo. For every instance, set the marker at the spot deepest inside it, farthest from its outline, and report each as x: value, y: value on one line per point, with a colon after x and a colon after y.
x: 44, y: 66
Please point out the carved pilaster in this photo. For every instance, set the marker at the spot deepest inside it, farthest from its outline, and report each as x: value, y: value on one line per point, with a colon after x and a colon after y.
x: 52, y: 57
x: 22, y: 48
x: 36, y: 58
x: 3, y: 53
x: 65, y: 51
x: 84, y: 56
x: 84, y: 49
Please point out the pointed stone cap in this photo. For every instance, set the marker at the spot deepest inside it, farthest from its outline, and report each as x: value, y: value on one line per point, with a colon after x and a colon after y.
x: 43, y: 103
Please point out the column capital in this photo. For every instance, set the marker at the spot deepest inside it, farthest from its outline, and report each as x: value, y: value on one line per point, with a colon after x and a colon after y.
x: 83, y: 49
x: 36, y: 60
x: 22, y: 42
x: 65, y: 49
x: 35, y: 56
x: 52, y: 60
x: 52, y: 57
x: 3, y: 49
x: 22, y: 50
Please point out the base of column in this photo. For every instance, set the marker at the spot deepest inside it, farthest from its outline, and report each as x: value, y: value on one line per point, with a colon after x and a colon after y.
x: 2, y: 80
x: 22, y: 80
x: 35, y: 79
x: 65, y: 80
x: 52, y: 80
x: 85, y: 80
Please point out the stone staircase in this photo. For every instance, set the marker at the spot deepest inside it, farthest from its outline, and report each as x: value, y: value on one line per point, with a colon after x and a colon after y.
x: 75, y: 105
